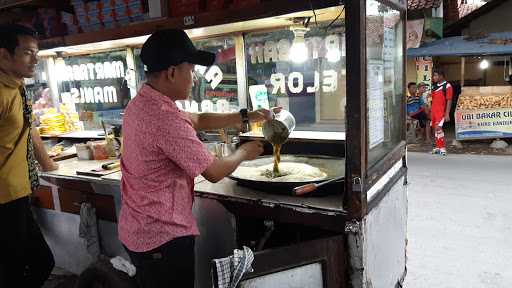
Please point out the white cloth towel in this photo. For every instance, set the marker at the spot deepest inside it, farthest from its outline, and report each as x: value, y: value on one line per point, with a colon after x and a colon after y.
x: 124, y: 265
x: 231, y: 269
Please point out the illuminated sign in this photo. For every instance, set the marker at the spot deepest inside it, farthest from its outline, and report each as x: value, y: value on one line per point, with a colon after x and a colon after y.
x: 331, y: 48
x: 96, y: 73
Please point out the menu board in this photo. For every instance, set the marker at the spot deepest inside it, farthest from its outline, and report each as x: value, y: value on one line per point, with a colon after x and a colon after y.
x: 375, y: 92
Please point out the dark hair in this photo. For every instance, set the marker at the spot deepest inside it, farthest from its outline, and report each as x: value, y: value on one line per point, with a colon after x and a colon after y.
x: 410, y: 84
x: 439, y: 72
x: 9, y: 34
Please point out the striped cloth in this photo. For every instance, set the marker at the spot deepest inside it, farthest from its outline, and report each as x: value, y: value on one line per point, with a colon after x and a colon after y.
x: 230, y: 270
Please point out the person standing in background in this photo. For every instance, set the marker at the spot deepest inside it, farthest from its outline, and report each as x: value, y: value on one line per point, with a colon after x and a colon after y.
x: 416, y: 108
x: 422, y: 93
x: 25, y: 258
x: 442, y: 94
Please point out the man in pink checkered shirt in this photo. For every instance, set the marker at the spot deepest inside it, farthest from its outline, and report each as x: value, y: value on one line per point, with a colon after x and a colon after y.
x: 161, y: 157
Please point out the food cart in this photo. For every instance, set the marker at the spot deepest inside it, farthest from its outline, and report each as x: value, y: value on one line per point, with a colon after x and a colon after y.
x: 346, y: 91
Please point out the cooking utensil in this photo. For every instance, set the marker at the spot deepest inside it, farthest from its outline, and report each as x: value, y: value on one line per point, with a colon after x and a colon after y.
x: 308, y: 188
x: 332, y: 166
x: 221, y: 150
x: 104, y: 169
x: 104, y: 129
x: 277, y: 130
x: 111, y: 165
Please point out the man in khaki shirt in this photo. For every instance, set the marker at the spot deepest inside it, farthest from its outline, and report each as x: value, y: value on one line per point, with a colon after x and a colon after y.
x: 26, y: 260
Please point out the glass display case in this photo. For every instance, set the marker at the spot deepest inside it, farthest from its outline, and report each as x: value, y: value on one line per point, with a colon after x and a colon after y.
x: 95, y: 85
x: 302, y: 70
x: 385, y: 81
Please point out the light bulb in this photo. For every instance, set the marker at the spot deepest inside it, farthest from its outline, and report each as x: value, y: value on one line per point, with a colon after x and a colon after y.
x: 484, y: 64
x: 299, y: 51
x: 60, y: 69
x: 333, y: 55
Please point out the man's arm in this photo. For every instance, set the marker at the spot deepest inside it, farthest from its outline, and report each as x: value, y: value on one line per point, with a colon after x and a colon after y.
x: 221, y: 168
x: 449, y: 97
x: 214, y: 121
x: 47, y: 164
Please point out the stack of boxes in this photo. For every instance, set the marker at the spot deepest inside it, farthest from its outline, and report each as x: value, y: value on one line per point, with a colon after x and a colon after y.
x: 97, y: 15
x: 49, y: 23
x: 71, y: 23
x: 104, y: 14
x: 185, y: 7
x: 178, y: 8
x: 244, y: 3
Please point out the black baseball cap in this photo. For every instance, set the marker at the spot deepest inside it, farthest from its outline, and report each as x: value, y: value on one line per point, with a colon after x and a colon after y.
x: 171, y: 47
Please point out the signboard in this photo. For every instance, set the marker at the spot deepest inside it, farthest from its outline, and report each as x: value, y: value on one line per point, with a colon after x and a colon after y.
x: 95, y: 82
x: 259, y: 96
x: 303, y: 79
x: 375, y: 91
x: 414, y: 33
x: 424, y: 66
x: 483, y: 124
x: 214, y: 92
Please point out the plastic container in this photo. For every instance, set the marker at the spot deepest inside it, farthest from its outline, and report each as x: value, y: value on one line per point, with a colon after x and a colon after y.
x: 83, y: 151
x: 99, y: 150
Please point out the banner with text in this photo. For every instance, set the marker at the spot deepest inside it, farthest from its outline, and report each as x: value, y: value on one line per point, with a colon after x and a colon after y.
x: 483, y: 124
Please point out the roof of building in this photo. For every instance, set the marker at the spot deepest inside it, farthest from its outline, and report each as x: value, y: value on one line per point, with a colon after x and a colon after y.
x: 491, y: 44
x: 422, y: 4
x: 466, y: 18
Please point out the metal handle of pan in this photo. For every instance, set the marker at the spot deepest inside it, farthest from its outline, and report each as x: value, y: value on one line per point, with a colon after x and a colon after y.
x: 308, y: 188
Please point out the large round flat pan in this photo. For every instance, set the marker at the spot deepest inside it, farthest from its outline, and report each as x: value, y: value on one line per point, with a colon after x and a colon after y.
x: 333, y: 167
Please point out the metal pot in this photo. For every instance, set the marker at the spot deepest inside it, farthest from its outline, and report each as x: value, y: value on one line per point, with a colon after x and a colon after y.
x: 277, y: 130
x: 220, y: 150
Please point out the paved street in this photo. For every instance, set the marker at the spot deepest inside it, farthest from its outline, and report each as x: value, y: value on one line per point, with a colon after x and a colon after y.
x: 460, y: 221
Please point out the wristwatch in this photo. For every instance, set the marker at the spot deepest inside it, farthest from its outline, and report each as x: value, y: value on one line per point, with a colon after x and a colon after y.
x: 244, y: 115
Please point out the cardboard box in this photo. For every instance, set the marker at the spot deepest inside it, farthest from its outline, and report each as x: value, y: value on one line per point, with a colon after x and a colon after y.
x: 158, y: 8
x: 245, y: 3
x: 185, y: 7
x: 212, y: 5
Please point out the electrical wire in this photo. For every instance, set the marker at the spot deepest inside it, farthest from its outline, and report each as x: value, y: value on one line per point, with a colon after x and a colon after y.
x: 314, y: 12
x: 334, y: 20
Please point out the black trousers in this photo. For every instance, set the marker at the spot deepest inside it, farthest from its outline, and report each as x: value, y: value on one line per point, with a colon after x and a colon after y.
x: 170, y: 265
x: 25, y: 258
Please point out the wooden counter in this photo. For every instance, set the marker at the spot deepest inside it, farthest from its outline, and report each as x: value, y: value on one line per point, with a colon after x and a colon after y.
x: 291, y: 208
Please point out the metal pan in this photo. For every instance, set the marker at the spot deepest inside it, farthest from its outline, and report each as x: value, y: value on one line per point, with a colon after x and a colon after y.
x: 333, y: 167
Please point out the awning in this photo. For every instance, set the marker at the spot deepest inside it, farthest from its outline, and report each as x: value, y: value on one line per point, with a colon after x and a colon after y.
x: 491, y: 44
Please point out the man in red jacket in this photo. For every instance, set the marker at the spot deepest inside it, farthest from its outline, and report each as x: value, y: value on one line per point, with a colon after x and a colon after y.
x: 442, y: 93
